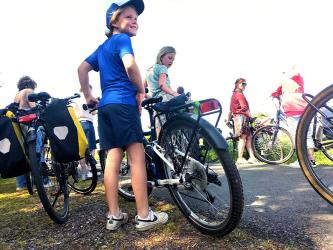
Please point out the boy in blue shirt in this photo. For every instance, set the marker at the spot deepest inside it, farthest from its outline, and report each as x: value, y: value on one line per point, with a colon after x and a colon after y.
x: 119, y: 123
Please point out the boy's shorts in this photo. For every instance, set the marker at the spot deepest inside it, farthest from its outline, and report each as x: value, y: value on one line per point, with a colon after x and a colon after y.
x: 118, y: 126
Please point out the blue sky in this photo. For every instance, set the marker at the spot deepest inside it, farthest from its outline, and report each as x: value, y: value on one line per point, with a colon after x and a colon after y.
x: 217, y: 41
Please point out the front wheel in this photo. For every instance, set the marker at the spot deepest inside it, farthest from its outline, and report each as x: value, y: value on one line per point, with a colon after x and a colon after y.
x: 210, y: 193
x: 272, y: 144
x: 51, y: 183
x: 315, y: 127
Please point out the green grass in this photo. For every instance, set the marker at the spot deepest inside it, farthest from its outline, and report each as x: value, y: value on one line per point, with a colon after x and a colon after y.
x: 25, y: 225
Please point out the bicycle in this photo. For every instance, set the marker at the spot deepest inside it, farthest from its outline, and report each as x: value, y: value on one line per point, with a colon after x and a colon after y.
x: 232, y: 139
x: 273, y: 143
x: 43, y: 166
x: 190, y: 158
x: 317, y: 121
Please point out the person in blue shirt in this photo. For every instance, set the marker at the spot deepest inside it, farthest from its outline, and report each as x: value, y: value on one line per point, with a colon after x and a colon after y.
x: 119, y: 124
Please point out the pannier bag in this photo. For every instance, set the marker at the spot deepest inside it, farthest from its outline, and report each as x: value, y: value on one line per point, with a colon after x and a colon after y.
x: 13, y: 161
x: 67, y: 139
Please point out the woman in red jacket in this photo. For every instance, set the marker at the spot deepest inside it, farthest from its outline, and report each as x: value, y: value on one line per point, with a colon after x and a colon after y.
x: 240, y: 111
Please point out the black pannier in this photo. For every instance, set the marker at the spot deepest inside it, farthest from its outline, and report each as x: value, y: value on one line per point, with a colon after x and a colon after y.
x: 13, y: 161
x: 67, y: 139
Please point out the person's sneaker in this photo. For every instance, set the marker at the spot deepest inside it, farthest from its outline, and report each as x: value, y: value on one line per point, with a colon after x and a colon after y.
x: 153, y: 219
x: 294, y: 164
x: 48, y: 184
x: 252, y: 161
x: 241, y: 161
x: 89, y: 175
x: 313, y: 163
x: 20, y: 188
x: 113, y: 223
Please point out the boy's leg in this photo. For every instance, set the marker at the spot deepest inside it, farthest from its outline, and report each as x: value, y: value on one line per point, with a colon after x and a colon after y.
x: 139, y: 177
x: 111, y: 173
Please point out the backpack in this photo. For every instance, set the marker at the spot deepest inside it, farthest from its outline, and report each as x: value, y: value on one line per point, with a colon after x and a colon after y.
x: 13, y: 160
x: 67, y: 139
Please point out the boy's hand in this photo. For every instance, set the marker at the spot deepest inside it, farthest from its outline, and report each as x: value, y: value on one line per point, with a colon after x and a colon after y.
x: 90, y: 99
x: 139, y: 98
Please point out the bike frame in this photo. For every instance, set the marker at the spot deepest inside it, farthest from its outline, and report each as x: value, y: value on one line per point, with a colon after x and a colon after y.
x: 316, y: 131
x: 152, y: 142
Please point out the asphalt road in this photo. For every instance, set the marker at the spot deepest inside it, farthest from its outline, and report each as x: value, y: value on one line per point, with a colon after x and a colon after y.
x: 282, y: 206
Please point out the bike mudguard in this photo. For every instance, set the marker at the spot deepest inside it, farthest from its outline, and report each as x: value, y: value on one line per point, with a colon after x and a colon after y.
x: 213, y: 133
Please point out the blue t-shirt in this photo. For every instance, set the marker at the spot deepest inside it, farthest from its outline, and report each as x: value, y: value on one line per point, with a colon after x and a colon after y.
x: 115, y: 84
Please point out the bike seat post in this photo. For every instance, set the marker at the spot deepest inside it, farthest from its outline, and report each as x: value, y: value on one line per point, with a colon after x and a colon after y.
x: 152, y: 124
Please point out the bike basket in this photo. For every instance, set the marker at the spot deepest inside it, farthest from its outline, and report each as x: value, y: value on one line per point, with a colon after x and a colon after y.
x: 13, y: 161
x: 67, y: 139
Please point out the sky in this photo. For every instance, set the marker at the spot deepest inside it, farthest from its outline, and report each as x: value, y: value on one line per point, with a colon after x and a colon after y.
x: 217, y: 41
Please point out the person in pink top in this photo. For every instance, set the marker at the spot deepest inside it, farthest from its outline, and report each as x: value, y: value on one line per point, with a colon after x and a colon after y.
x: 290, y: 89
x: 240, y: 111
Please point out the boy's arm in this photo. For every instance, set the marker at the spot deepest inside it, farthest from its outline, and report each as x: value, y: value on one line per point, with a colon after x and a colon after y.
x: 83, y: 73
x: 133, y: 72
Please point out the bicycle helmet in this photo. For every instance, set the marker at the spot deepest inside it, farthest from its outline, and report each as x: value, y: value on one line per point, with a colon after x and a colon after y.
x: 138, y: 5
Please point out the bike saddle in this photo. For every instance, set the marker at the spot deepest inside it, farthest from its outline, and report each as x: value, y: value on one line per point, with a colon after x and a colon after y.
x: 151, y: 100
x: 42, y: 96
x: 174, y: 102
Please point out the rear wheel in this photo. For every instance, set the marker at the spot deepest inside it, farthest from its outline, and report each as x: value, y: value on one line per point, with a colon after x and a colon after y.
x: 210, y: 193
x: 83, y: 181
x: 29, y: 181
x: 272, y: 144
x: 51, y: 183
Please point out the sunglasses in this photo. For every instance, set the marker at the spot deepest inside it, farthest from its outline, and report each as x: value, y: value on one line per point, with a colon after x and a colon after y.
x: 244, y: 83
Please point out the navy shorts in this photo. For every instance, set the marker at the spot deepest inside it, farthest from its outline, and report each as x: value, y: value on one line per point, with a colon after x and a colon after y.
x: 118, y: 126
x: 89, y: 131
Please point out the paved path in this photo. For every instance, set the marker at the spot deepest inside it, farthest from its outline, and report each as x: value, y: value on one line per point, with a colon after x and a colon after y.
x: 280, y: 204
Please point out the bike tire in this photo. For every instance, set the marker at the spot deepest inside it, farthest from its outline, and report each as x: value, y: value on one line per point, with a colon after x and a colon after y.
x: 125, y: 189
x: 29, y: 181
x: 272, y: 153
x: 232, y: 147
x: 212, y: 185
x: 55, y: 199
x: 317, y: 177
x: 83, y: 186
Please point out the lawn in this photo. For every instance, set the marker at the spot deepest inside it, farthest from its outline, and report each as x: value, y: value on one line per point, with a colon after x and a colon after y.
x: 25, y: 225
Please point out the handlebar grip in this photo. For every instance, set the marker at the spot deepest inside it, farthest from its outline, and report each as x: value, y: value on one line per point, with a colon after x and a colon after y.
x: 90, y: 107
x: 42, y: 96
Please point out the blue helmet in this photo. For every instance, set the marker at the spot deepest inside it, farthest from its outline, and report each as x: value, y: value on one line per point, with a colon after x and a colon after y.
x: 138, y: 4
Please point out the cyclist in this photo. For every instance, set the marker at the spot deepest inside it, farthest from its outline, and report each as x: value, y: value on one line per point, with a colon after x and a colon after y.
x: 290, y: 89
x: 87, y: 122
x: 119, y: 124
x: 25, y: 87
x: 240, y: 111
